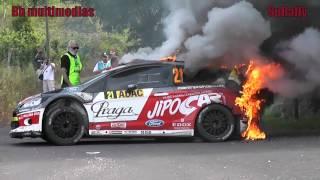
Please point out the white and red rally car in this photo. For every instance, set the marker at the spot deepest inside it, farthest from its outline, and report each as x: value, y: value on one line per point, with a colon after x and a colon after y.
x: 139, y: 99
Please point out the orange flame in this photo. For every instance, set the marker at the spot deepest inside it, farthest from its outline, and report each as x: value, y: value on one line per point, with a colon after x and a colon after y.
x: 169, y: 58
x: 256, y: 78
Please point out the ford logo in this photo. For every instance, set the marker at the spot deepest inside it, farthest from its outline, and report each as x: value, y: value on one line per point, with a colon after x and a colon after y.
x: 154, y: 123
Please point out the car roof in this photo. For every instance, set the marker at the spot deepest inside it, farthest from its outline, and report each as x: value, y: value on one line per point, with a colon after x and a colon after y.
x: 138, y: 62
x: 141, y: 63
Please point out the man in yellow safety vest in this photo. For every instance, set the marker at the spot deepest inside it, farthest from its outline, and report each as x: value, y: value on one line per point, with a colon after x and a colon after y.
x: 71, y: 66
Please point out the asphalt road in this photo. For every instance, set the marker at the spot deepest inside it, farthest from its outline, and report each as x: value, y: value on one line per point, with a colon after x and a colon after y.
x: 279, y: 157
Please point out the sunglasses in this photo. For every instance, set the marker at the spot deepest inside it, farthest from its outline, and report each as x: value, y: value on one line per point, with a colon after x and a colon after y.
x: 75, y: 48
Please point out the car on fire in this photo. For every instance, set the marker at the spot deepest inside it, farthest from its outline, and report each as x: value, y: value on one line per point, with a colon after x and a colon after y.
x: 138, y: 99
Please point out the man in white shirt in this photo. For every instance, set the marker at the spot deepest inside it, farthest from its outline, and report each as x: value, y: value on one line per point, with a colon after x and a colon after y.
x: 103, y: 65
x: 48, y: 69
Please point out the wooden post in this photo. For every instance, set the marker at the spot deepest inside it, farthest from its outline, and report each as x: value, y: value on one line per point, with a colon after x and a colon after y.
x: 296, y: 108
x: 47, y: 35
x: 9, y: 57
x: 4, y: 9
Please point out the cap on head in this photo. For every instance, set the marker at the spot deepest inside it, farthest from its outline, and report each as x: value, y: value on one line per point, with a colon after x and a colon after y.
x: 105, y: 54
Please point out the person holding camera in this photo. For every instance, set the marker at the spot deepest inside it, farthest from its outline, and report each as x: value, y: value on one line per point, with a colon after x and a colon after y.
x: 47, y: 71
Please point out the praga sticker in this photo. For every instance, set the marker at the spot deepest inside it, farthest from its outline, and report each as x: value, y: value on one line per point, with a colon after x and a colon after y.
x: 121, y: 105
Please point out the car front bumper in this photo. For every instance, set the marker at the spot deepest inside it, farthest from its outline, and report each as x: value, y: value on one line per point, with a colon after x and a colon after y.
x: 32, y: 134
x: 27, y: 124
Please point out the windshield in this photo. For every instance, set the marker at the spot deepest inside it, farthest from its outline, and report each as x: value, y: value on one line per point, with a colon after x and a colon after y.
x: 90, y: 79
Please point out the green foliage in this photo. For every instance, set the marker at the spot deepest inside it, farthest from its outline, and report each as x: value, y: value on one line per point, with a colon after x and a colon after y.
x: 142, y: 16
x: 21, y: 36
x: 16, y: 83
x: 121, y: 41
x: 20, y: 40
x: 278, y: 125
x: 22, y: 24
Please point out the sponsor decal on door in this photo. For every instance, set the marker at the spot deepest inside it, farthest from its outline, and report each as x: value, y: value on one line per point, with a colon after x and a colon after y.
x: 173, y: 106
x: 123, y: 106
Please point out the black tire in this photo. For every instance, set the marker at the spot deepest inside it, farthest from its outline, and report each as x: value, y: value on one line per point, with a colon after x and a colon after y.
x: 237, y: 130
x: 64, y: 123
x: 215, y: 123
x: 44, y: 137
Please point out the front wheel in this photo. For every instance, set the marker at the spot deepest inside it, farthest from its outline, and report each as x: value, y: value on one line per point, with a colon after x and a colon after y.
x: 64, y: 125
x: 215, y: 123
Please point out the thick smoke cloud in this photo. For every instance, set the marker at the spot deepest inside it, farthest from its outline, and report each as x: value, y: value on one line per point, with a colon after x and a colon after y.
x: 235, y: 32
x: 303, y: 53
x: 208, y: 32
x: 180, y: 24
x: 230, y: 32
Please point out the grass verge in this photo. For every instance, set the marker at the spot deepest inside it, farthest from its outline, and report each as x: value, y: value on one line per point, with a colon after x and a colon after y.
x: 15, y: 84
x: 279, y: 126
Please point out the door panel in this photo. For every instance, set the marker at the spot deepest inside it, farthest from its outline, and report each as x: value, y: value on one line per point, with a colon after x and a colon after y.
x: 167, y: 105
x: 119, y: 105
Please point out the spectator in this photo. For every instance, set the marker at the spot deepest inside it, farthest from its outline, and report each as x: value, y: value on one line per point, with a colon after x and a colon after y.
x: 48, y: 70
x: 113, y: 52
x: 38, y: 60
x: 103, y: 64
x: 71, y: 65
x: 114, y: 57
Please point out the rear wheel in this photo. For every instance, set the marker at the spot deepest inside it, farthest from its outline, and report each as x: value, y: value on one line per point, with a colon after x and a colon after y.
x: 215, y: 123
x: 64, y: 124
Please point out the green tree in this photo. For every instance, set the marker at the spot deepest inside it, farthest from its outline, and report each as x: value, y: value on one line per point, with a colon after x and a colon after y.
x: 143, y: 17
x: 18, y: 42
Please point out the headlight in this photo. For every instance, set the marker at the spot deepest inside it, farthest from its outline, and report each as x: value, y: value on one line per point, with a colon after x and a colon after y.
x: 35, y: 101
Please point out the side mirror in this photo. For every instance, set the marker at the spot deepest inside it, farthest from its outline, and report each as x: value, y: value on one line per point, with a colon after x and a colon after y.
x: 132, y: 87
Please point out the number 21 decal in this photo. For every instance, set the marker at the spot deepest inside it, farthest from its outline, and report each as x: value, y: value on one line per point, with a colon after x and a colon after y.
x: 177, y: 75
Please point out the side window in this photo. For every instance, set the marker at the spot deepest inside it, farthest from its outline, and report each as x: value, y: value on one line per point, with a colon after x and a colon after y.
x: 123, y: 79
x: 143, y: 77
x: 97, y: 86
x: 154, y: 77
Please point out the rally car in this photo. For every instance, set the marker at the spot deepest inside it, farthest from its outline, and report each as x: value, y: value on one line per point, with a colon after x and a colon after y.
x: 138, y: 99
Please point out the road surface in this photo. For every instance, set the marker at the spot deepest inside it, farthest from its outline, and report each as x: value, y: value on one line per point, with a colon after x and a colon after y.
x: 282, y: 157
